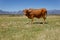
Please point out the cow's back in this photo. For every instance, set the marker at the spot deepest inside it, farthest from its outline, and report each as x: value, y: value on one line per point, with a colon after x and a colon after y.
x: 38, y: 12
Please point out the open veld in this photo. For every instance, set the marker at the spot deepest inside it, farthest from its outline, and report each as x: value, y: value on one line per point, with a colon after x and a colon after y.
x: 16, y: 28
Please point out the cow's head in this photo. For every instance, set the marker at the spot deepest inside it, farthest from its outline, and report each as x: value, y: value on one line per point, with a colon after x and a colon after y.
x: 27, y: 12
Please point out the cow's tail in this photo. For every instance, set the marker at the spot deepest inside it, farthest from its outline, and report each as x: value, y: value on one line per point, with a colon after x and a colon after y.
x: 44, y: 13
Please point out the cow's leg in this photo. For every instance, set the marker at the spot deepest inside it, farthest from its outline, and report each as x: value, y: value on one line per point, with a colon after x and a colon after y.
x: 44, y: 20
x: 32, y: 17
x: 32, y: 21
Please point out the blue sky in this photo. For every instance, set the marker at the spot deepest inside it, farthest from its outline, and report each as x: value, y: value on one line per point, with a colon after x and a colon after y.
x: 16, y: 5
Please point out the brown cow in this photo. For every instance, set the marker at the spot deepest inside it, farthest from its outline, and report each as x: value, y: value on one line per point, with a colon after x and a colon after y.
x: 38, y: 13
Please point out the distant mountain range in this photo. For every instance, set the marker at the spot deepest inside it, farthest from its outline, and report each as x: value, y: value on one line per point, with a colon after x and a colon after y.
x: 14, y: 12
x: 21, y: 12
x: 53, y: 11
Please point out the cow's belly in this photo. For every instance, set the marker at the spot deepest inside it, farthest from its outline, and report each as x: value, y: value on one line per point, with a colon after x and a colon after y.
x: 37, y: 16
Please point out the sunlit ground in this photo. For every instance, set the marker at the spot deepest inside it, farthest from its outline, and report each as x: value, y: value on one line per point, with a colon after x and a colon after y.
x: 16, y: 28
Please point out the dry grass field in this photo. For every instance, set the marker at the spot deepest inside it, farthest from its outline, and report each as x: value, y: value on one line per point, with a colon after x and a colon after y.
x: 16, y: 28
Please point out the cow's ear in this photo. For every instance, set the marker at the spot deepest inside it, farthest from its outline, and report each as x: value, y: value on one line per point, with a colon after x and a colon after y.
x: 25, y: 10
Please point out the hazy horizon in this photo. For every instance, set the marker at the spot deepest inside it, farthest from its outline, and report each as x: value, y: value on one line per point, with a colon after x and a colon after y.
x: 16, y: 5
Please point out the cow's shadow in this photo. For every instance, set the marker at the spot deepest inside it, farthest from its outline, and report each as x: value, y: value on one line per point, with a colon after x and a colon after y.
x: 39, y: 23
